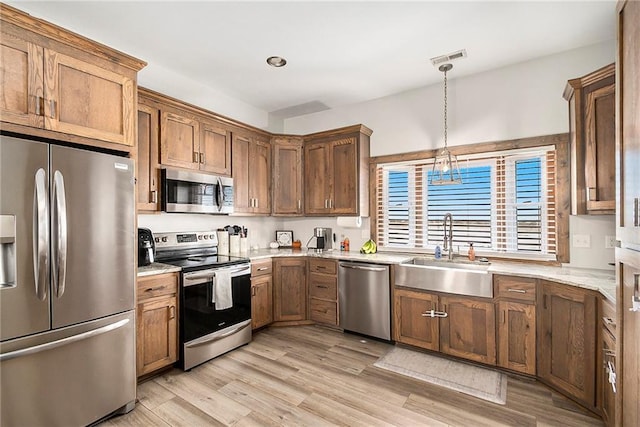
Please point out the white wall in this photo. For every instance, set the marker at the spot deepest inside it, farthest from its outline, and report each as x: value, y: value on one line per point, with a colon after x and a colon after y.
x: 597, y: 228
x: 518, y: 101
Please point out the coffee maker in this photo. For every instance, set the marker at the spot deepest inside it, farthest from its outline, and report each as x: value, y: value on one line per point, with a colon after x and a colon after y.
x: 324, y: 238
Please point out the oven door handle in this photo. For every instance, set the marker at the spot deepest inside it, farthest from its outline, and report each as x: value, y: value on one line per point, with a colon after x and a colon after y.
x: 208, y: 338
x: 212, y: 274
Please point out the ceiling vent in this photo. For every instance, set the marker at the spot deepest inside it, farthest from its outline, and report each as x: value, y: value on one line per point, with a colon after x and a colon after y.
x: 448, y: 57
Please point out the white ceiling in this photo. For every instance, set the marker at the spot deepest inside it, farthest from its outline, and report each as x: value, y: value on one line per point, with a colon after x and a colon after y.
x: 339, y: 52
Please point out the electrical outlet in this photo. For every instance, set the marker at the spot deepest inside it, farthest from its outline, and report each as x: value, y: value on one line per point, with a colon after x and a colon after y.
x: 581, y: 240
x: 609, y: 242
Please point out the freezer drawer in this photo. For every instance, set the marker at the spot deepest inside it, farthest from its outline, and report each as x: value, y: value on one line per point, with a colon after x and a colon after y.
x: 71, y: 376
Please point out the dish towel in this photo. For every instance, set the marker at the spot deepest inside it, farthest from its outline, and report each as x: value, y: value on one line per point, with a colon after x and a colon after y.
x: 224, y: 297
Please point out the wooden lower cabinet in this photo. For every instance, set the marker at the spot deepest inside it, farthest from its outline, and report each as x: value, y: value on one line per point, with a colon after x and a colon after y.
x: 261, y: 293
x: 469, y: 330
x: 290, y: 289
x: 567, y: 318
x: 517, y: 336
x: 323, y: 291
x: 608, y: 367
x: 156, y: 322
x: 410, y: 326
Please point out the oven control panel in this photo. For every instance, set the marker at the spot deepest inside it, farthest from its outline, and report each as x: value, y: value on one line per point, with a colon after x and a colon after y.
x: 185, y: 240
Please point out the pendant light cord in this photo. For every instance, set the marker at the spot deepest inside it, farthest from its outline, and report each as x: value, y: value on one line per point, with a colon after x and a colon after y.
x: 445, y: 108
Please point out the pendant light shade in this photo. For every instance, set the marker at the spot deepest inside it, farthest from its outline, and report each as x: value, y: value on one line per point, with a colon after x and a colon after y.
x: 445, y: 166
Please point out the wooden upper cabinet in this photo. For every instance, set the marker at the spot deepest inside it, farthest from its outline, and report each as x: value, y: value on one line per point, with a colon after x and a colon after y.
x: 336, y: 165
x: 147, y: 172
x: 288, y: 176
x: 592, y: 133
x: 59, y: 85
x: 215, y: 149
x: 180, y: 140
x: 251, y: 160
x: 567, y: 319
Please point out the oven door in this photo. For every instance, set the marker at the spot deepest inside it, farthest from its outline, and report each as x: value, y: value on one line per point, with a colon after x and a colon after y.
x: 196, y: 192
x: 199, y: 316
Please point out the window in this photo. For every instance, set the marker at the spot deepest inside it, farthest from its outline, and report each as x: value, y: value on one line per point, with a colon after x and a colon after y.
x: 505, y: 204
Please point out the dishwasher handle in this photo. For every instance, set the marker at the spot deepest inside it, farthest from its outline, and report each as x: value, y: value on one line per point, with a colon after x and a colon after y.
x: 362, y: 267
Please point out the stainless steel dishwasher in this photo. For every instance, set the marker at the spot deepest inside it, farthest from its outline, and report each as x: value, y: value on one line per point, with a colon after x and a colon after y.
x: 364, y: 299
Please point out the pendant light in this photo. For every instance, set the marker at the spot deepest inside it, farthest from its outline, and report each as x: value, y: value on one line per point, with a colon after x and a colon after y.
x: 445, y: 166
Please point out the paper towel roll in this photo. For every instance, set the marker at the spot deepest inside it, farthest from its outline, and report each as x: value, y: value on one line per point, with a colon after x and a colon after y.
x: 349, y: 221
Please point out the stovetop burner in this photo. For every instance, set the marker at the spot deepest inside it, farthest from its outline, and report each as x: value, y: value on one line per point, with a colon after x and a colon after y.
x: 205, y: 262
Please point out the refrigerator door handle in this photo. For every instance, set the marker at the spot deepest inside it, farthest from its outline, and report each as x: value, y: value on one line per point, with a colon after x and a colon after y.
x: 40, y: 235
x: 59, y: 233
x: 64, y: 341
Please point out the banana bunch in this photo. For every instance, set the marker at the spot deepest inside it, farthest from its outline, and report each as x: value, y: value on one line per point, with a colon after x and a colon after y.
x: 369, y: 247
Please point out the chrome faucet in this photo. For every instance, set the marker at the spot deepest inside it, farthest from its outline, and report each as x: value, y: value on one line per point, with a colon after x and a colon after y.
x: 448, y: 239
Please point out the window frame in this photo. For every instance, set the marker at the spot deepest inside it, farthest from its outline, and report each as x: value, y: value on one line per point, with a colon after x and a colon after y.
x: 562, y: 187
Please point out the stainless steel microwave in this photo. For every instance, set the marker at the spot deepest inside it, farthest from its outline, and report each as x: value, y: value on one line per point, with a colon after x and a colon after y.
x: 184, y: 191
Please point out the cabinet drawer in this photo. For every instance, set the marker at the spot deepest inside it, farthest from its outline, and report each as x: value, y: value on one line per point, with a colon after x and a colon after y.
x: 323, y: 286
x: 514, y: 287
x: 324, y: 311
x: 323, y: 266
x: 261, y: 267
x: 153, y: 286
x: 609, y: 316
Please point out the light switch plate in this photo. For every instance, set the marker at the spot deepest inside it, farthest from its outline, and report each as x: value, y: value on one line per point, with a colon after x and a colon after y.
x: 581, y: 240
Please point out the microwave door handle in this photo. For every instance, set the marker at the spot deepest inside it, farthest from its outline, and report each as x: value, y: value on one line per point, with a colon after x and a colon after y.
x: 220, y: 195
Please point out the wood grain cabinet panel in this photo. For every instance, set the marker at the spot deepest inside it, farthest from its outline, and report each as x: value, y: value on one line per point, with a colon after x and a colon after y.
x: 517, y: 336
x: 287, y: 176
x: 566, y: 340
x: 469, y: 329
x: 156, y: 322
x: 410, y: 326
x: 290, y: 289
x: 592, y: 133
x: 336, y: 165
x: 180, y: 140
x: 73, y: 89
x: 261, y: 293
x: 215, y: 149
x: 323, y: 291
x: 607, y: 396
x: 147, y: 172
x: 251, y: 171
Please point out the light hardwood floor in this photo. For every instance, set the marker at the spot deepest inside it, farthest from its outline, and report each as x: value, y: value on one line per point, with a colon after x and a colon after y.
x: 316, y: 376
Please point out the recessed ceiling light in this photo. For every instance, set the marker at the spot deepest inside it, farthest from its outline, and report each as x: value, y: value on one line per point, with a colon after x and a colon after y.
x: 276, y: 61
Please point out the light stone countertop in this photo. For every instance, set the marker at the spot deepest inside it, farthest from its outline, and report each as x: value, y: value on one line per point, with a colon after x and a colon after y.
x: 603, y: 281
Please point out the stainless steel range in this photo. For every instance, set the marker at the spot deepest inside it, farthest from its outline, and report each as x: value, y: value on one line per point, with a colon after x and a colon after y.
x: 215, y: 295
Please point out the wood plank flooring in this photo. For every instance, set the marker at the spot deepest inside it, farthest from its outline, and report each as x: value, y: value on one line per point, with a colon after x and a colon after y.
x: 314, y: 376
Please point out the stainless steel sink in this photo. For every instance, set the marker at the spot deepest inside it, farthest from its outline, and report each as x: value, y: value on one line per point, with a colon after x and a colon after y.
x: 455, y: 276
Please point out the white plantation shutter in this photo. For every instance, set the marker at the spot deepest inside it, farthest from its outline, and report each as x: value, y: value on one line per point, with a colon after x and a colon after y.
x: 506, y: 204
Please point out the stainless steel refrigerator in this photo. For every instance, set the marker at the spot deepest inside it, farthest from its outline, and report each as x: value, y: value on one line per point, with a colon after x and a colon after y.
x: 67, y: 280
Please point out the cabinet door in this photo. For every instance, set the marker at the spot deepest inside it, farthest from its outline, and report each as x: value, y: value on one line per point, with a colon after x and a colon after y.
x: 287, y: 178
x: 566, y: 340
x: 157, y: 344
x: 215, y: 149
x: 628, y: 123
x: 290, y: 284
x: 261, y: 301
x: 600, y: 137
x: 179, y: 141
x: 240, y: 172
x: 344, y: 163
x: 317, y: 181
x: 21, y: 82
x: 147, y: 170
x: 84, y: 99
x: 260, y: 177
x: 608, y: 397
x: 517, y: 336
x: 469, y: 330
x: 410, y: 326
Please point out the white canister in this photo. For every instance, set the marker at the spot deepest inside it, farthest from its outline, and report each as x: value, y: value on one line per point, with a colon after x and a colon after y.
x: 234, y: 244
x: 244, y: 245
x: 223, y: 242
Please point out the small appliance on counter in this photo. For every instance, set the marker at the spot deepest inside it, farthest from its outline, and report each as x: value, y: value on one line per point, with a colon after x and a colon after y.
x: 146, y: 247
x: 323, y: 237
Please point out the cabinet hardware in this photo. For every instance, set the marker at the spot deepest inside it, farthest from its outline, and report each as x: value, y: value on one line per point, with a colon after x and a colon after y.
x: 157, y: 288
x: 196, y: 157
x: 299, y: 204
x: 326, y: 203
x: 172, y: 312
x: 592, y: 194
x: 544, y: 302
x: 609, y: 321
x: 253, y: 291
x: 202, y: 158
x: 504, y: 316
x: 154, y: 196
x: 52, y: 108
x: 433, y: 313
x: 257, y: 205
x: 262, y: 268
x: 321, y: 267
x: 635, y: 298
x: 322, y: 287
x: 330, y: 203
x: 608, y: 353
x: 636, y: 212
x: 39, y: 105
x: 519, y: 291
